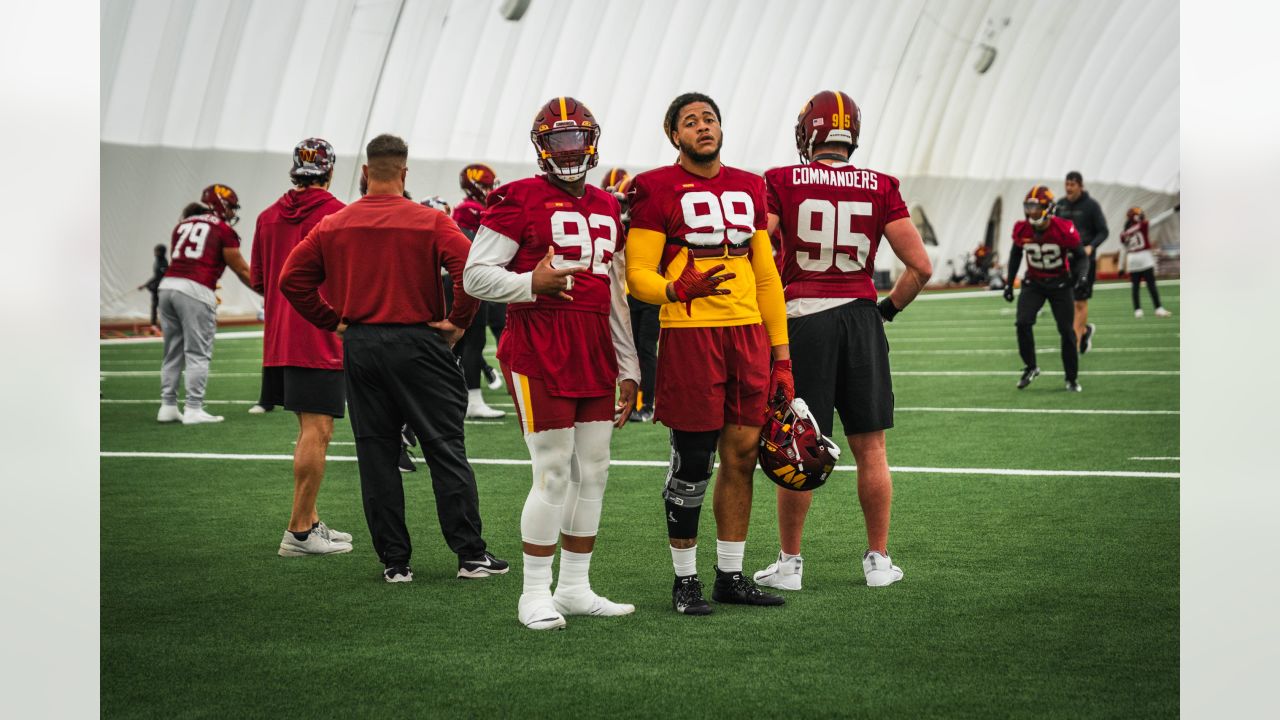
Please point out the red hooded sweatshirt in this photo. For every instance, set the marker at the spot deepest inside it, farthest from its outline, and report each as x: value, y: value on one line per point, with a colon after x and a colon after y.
x: 288, y: 339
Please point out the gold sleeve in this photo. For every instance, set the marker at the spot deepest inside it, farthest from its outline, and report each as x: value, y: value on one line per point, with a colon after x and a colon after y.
x: 644, y: 252
x: 773, y: 307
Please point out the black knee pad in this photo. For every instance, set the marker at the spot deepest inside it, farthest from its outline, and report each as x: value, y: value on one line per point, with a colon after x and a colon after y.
x: 693, y: 455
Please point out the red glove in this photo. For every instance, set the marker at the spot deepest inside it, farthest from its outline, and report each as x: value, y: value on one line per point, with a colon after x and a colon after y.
x: 693, y: 283
x: 781, y: 382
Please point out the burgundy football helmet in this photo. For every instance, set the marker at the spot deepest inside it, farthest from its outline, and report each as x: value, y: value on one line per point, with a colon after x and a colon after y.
x: 477, y: 181
x: 565, y: 134
x: 1133, y: 216
x: 313, y: 157
x: 221, y: 201
x: 1038, y: 206
x: 613, y: 179
x: 793, y: 452
x: 828, y: 117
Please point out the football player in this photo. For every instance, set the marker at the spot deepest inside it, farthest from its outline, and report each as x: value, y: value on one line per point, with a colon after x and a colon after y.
x: 644, y: 325
x: 301, y: 364
x: 831, y: 216
x: 1056, y: 265
x: 477, y: 181
x: 699, y: 247
x: 549, y: 246
x: 1139, y: 260
x: 202, y: 246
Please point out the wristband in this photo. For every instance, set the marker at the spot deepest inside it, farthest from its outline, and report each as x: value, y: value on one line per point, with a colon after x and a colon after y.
x: 887, y: 309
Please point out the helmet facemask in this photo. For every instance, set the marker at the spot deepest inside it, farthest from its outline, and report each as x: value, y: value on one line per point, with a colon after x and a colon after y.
x: 567, y: 152
x: 1037, y: 213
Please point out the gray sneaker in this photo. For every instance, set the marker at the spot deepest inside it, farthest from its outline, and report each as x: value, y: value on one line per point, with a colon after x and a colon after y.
x: 317, y: 543
x: 334, y: 535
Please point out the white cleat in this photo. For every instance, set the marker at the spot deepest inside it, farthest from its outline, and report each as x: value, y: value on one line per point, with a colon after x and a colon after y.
x: 1161, y: 312
x: 481, y: 411
x: 169, y: 413
x: 1137, y: 313
x: 589, y: 603
x: 257, y: 410
x: 538, y: 612
x: 782, y: 574
x: 879, y: 569
x: 317, y: 543
x: 197, y: 416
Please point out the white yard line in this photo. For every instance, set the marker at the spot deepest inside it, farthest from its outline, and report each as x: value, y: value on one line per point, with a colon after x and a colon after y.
x: 233, y: 335
x: 1015, y: 373
x: 156, y: 373
x: 1014, y: 350
x: 965, y: 294
x: 1038, y: 411
x: 1157, y: 458
x: 664, y: 463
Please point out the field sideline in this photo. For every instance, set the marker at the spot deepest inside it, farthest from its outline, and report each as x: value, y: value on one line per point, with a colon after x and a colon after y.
x: 1038, y: 531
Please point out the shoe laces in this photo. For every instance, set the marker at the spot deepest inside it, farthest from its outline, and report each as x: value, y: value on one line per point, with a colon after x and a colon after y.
x: 690, y: 589
x: 740, y: 583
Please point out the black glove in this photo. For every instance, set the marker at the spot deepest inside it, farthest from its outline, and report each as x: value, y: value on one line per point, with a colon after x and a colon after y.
x: 1008, y: 292
x: 887, y: 309
x: 1080, y: 283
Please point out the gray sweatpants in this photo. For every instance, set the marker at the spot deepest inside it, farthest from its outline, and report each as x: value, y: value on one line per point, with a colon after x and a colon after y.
x: 189, y: 327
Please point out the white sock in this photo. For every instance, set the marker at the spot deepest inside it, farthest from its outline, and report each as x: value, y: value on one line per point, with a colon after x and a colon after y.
x: 537, y: 574
x: 729, y: 555
x: 474, y: 397
x: 788, y: 556
x: 574, y: 568
x: 685, y: 560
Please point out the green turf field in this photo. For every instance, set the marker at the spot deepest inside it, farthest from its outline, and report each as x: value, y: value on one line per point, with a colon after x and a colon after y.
x: 1033, y: 593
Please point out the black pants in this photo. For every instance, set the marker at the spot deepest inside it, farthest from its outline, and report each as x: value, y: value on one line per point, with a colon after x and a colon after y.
x: 644, y: 330
x: 495, y: 316
x: 1136, y: 278
x: 155, y: 308
x: 470, y: 349
x: 399, y: 374
x: 1062, y: 303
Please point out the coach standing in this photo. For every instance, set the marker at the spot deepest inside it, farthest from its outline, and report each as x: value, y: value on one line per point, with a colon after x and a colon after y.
x: 380, y: 260
x: 1086, y: 214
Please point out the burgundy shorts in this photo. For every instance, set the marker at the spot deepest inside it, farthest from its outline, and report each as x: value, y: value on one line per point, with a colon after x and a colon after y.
x: 709, y: 377
x: 537, y: 409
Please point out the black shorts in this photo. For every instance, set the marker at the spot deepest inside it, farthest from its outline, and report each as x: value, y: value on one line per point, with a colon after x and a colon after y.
x: 1086, y: 290
x: 840, y: 360
x: 308, y: 390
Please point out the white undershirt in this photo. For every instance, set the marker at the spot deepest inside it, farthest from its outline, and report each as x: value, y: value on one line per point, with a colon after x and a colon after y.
x: 191, y: 289
x: 800, y: 307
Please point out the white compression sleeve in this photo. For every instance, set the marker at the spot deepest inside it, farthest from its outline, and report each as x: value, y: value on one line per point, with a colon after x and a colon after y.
x: 486, y: 276
x: 583, y: 502
x: 624, y: 344
x: 552, y: 455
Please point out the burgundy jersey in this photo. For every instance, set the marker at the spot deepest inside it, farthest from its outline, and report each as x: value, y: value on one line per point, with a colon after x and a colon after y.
x: 831, y: 219
x: 467, y: 215
x: 195, y: 250
x: 565, y: 343
x: 1136, y: 238
x: 1047, y: 253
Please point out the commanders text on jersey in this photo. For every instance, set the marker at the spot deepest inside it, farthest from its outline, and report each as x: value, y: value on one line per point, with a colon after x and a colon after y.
x: 861, y: 179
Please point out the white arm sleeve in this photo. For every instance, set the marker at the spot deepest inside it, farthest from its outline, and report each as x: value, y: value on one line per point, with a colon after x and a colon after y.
x: 486, y: 276
x: 624, y: 344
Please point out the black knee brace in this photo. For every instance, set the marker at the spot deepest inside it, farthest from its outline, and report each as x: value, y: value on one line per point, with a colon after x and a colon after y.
x: 693, y: 455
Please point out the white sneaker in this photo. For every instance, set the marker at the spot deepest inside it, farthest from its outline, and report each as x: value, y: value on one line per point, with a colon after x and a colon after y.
x: 257, y: 410
x: 169, y: 413
x: 782, y: 574
x: 879, y: 569
x: 317, y: 543
x: 589, y: 603
x: 481, y: 411
x: 1137, y: 313
x: 1161, y: 312
x: 538, y: 612
x: 332, y: 534
x: 197, y: 416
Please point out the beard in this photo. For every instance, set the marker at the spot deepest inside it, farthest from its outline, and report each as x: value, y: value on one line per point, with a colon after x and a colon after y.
x: 691, y: 151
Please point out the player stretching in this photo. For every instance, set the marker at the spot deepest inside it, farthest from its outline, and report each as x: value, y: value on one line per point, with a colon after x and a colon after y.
x: 1047, y: 241
x: 566, y: 344
x: 698, y: 246
x: 832, y: 216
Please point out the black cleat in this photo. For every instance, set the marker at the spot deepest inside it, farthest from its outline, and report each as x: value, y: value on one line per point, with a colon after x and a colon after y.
x: 398, y: 574
x: 1086, y: 341
x: 1028, y: 374
x: 733, y: 588
x: 643, y: 415
x: 405, y: 462
x: 1073, y: 386
x: 686, y: 596
x: 481, y: 567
